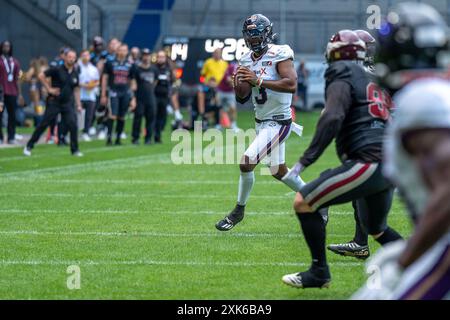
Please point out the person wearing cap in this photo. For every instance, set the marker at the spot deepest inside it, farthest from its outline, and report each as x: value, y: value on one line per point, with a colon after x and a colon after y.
x: 98, y: 52
x: 143, y: 83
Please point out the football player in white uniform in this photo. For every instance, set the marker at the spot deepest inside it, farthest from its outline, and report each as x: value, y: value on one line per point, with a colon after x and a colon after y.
x: 270, y: 71
x: 417, y: 154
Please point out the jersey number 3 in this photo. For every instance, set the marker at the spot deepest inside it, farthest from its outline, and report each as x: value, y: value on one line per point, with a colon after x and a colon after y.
x: 380, y: 102
x: 262, y: 96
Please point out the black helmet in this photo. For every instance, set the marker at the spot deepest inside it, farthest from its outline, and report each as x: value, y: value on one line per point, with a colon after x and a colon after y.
x: 413, y: 41
x: 257, y: 32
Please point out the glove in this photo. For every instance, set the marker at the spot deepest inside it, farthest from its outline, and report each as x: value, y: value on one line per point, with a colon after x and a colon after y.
x: 294, y: 172
x: 385, y: 273
x: 178, y: 115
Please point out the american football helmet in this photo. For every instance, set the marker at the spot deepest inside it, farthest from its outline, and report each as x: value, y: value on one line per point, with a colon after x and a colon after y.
x: 345, y: 45
x: 258, y: 33
x: 414, y: 42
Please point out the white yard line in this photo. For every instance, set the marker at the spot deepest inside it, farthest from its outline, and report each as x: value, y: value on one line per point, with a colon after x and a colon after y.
x: 9, y: 233
x: 129, y: 195
x: 63, y: 152
x: 124, y: 162
x: 167, y: 212
x: 133, y: 182
x: 145, y: 262
x: 55, y: 211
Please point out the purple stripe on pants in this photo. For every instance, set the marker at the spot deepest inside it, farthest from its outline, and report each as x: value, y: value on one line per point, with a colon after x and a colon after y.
x: 439, y: 289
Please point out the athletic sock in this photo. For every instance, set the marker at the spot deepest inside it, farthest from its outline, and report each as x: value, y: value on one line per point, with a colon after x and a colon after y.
x: 313, y: 229
x: 361, y: 235
x: 110, y: 126
x: 294, y: 182
x: 120, y: 126
x: 389, y: 235
x: 246, y: 182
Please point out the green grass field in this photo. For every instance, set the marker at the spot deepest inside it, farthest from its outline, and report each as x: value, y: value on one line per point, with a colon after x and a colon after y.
x: 140, y: 227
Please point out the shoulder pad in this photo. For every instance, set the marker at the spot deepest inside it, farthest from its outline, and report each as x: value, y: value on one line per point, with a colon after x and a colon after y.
x: 338, y: 70
x: 280, y: 53
x: 245, y: 59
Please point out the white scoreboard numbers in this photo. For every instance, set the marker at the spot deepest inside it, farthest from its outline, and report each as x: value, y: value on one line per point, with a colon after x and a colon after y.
x: 191, y: 53
x: 232, y: 49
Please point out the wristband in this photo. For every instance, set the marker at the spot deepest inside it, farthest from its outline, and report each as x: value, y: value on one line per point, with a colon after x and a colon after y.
x: 261, y: 80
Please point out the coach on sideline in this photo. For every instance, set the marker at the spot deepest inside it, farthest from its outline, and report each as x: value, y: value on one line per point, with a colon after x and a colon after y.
x: 63, y: 89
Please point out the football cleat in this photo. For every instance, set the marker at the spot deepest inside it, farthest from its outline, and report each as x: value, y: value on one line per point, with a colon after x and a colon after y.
x: 230, y: 221
x: 27, y: 152
x: 350, y: 249
x: 78, y: 154
x: 319, y: 278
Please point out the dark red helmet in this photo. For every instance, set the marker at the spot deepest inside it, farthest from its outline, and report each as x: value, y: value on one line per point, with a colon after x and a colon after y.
x: 365, y: 36
x: 346, y: 45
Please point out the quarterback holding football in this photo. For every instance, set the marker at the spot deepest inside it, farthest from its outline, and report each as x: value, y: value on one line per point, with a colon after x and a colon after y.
x: 266, y: 74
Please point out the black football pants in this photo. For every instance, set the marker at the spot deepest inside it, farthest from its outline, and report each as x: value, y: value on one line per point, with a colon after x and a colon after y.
x: 69, y: 117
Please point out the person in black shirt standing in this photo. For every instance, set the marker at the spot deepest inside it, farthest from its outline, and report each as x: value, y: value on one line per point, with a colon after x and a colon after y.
x: 63, y: 90
x: 144, y: 78
x: 162, y: 92
x: 356, y: 115
x: 117, y: 76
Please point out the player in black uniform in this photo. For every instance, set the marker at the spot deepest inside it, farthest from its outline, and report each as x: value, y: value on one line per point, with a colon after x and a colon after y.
x: 358, y: 247
x: 117, y: 76
x: 144, y: 78
x: 356, y: 114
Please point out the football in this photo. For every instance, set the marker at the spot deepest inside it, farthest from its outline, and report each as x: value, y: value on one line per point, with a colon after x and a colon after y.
x: 241, y: 88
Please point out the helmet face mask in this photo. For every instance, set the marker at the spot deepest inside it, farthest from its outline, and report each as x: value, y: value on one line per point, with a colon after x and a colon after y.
x: 370, y: 42
x: 257, y: 32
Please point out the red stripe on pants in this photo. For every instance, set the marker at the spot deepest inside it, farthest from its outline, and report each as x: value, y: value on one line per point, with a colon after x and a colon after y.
x: 340, y: 184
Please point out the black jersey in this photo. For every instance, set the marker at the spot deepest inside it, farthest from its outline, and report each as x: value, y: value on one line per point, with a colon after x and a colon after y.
x: 165, y: 80
x: 356, y: 115
x: 362, y: 131
x: 145, y: 79
x: 119, y: 74
x: 64, y: 80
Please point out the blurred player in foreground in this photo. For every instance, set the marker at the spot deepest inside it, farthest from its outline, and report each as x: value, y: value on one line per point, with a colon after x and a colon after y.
x: 417, y: 154
x: 267, y: 75
x: 356, y: 114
